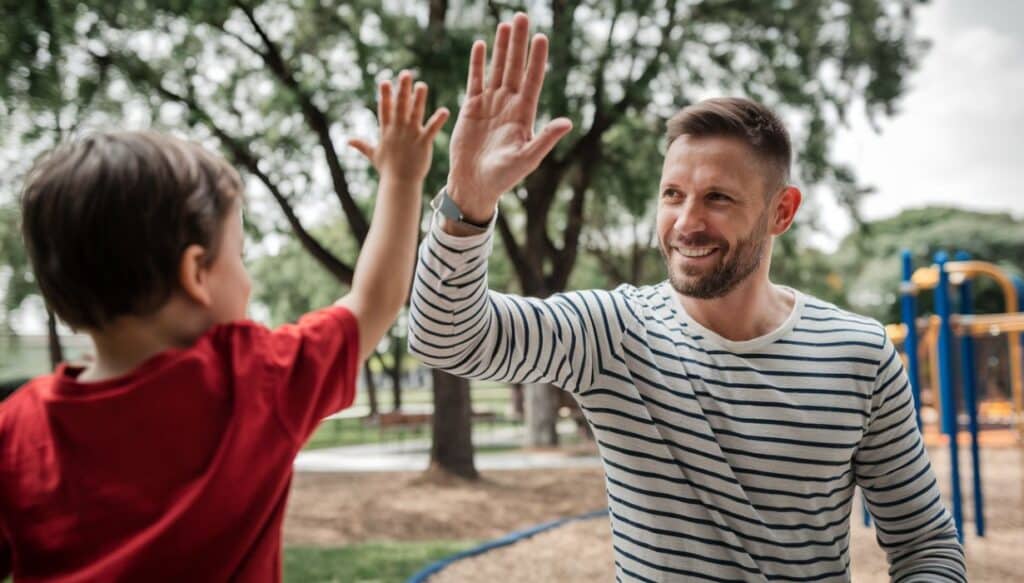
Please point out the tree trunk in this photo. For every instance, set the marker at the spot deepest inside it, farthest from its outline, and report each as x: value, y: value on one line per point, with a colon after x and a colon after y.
x: 371, y: 388
x: 395, y: 371
x: 452, y: 447
x: 542, y: 402
x: 518, y: 411
x: 56, y: 350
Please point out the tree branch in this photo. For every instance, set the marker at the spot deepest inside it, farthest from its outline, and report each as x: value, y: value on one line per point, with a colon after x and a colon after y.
x: 633, y: 92
x: 531, y: 280
x: 609, y: 264
x: 140, y: 72
x: 565, y: 259
x: 315, y: 119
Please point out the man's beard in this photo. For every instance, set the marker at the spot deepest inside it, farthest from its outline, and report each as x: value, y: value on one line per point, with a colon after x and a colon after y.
x: 732, y: 269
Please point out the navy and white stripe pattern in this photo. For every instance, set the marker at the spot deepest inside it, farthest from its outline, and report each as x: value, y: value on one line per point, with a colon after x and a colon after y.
x: 724, y: 461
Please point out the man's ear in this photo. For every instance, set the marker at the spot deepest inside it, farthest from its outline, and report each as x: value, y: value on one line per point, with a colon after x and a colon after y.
x: 193, y: 275
x: 785, y: 204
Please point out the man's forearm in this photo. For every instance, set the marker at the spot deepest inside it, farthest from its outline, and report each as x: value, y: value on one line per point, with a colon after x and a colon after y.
x: 449, y: 297
x: 458, y: 325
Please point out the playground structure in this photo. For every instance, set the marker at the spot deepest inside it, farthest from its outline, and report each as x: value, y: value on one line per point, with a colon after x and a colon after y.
x: 939, y: 333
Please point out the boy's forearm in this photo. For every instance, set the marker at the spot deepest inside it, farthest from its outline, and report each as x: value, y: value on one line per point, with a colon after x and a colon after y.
x: 383, y: 271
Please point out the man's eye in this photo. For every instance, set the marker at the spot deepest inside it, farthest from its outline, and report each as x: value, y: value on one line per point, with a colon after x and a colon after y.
x: 670, y: 193
x: 719, y: 197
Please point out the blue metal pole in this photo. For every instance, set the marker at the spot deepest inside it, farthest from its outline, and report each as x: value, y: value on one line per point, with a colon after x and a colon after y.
x: 865, y: 513
x: 1018, y: 282
x: 908, y: 310
x: 946, y: 395
x: 970, y: 376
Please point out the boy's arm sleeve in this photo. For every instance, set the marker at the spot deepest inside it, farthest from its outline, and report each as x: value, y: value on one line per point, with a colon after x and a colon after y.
x: 312, y: 367
x: 892, y: 469
x: 5, y: 556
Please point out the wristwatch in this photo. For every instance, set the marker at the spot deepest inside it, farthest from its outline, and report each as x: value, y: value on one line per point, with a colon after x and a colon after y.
x: 444, y: 204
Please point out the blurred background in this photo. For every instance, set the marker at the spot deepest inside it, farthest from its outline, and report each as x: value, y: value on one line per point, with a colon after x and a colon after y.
x: 906, y: 117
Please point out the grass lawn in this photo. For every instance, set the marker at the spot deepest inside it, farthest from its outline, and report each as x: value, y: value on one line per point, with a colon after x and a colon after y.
x: 483, y: 393
x: 353, y: 431
x: 380, y: 562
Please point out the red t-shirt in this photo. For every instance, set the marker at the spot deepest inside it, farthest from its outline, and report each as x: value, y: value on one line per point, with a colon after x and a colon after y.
x: 178, y: 471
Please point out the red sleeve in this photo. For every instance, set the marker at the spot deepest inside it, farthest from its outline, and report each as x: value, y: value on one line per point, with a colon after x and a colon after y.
x: 5, y: 557
x: 312, y: 368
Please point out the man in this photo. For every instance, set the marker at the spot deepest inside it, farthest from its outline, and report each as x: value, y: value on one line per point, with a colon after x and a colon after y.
x: 734, y: 416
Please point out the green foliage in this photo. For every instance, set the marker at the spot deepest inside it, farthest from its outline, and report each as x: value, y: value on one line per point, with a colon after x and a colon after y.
x: 257, y: 79
x: 290, y: 283
x: 807, y: 269
x: 18, y: 282
x: 380, y: 562
x: 870, y: 258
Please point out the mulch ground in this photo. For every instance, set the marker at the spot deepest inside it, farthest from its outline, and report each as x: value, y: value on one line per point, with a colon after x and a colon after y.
x: 339, y: 509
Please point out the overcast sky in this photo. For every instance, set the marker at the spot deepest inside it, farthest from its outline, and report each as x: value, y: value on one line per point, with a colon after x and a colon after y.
x: 959, y: 135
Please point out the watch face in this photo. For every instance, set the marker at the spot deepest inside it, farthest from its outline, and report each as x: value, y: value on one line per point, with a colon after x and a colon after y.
x: 447, y: 206
x: 443, y: 204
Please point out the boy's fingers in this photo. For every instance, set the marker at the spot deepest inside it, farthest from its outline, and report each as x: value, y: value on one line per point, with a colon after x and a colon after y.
x: 404, y: 95
x: 435, y: 123
x: 384, y: 104
x: 500, y: 55
x: 364, y: 148
x: 419, y: 104
x: 477, y: 56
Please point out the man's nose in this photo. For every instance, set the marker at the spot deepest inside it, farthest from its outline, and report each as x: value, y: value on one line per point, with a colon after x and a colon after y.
x: 691, y: 218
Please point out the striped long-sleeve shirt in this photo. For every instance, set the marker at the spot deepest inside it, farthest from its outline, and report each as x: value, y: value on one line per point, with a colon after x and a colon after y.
x: 724, y: 461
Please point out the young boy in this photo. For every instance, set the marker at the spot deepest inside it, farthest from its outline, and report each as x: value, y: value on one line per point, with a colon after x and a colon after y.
x: 169, y: 457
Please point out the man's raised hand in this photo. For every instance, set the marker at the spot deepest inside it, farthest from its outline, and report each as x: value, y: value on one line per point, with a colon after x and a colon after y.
x: 493, y: 146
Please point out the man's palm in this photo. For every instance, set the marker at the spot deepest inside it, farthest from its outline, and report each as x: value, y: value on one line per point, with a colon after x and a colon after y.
x: 493, y: 146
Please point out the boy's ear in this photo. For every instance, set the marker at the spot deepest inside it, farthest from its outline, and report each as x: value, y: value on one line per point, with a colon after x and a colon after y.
x: 193, y: 275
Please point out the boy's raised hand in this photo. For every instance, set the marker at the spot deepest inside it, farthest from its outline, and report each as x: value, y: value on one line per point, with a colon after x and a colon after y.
x: 383, y: 272
x: 406, y: 143
x: 493, y: 146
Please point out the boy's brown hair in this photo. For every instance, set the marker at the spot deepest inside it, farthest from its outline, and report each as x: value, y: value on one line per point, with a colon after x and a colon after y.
x: 749, y: 121
x: 106, y: 219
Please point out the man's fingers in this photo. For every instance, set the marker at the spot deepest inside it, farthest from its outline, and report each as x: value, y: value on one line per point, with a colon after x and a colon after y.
x: 435, y: 123
x: 419, y: 102
x: 535, y: 71
x: 543, y: 142
x: 513, y: 78
x: 364, y: 148
x: 384, y: 105
x: 500, y: 54
x: 477, y: 57
x: 404, y: 95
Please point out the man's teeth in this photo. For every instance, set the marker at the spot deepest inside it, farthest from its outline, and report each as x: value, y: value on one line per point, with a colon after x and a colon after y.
x: 697, y: 251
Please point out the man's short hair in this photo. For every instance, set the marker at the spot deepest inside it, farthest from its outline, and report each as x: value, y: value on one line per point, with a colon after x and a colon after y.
x: 754, y: 124
x: 106, y: 219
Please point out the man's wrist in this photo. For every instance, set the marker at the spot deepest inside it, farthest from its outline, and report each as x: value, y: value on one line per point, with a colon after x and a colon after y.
x: 458, y: 229
x: 472, y: 213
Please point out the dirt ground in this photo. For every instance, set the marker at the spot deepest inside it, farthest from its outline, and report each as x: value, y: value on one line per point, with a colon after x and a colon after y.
x: 337, y: 509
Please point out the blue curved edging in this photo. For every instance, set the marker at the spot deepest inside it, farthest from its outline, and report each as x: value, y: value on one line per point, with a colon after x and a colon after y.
x: 433, y: 568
